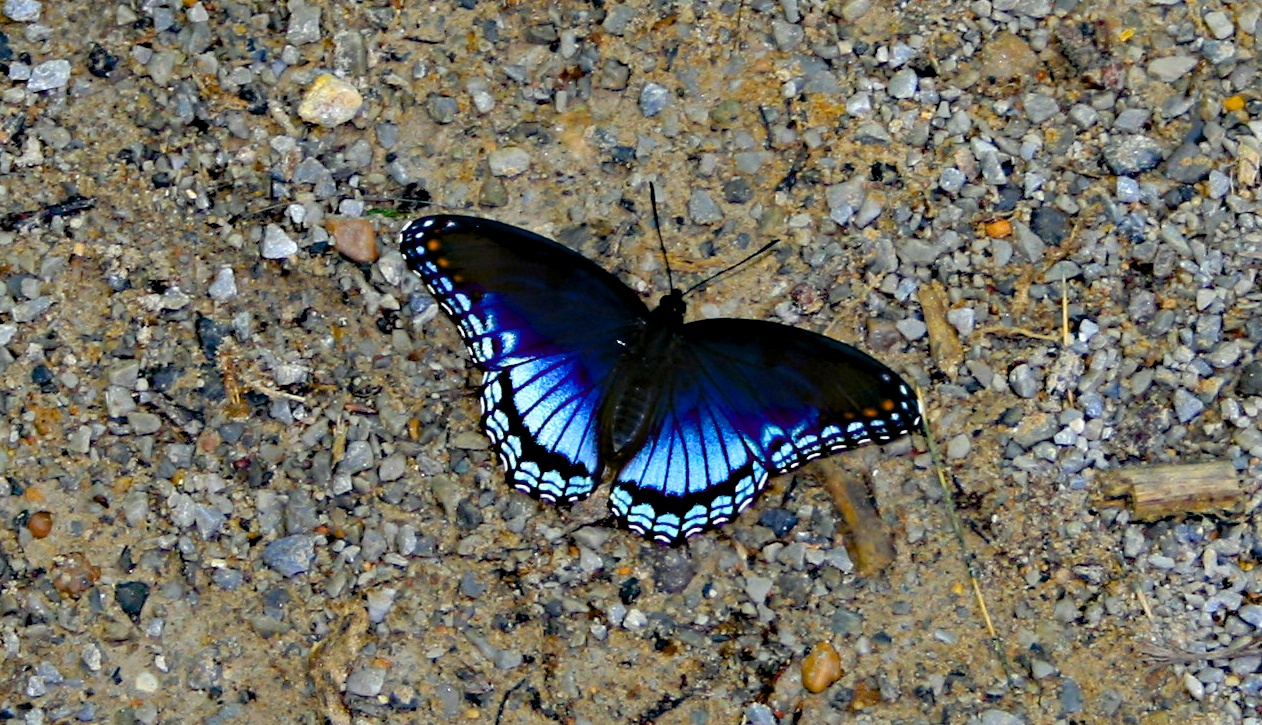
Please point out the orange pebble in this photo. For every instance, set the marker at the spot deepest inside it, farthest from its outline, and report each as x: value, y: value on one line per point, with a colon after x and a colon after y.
x: 1233, y: 103
x: 354, y: 237
x: 998, y: 229
x: 821, y: 668
x: 40, y: 524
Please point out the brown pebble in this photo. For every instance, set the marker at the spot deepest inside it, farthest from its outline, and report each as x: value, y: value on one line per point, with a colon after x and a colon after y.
x: 354, y: 237
x: 821, y: 668
x: 40, y: 524
x: 73, y: 574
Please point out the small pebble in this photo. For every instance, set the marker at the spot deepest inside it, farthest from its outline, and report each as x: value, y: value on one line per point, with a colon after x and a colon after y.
x: 951, y: 180
x: 998, y: 229
x: 702, y: 208
x: 277, y: 244
x: 653, y: 99
x: 441, y: 109
x: 40, y: 524
x: 786, y: 35
x: 131, y: 598
x: 1132, y: 154
x: 291, y: 555
x: 380, y: 600
x: 366, y: 681
x: 49, y: 75
x: 635, y: 620
x: 146, y: 682
x: 1187, y: 164
x: 74, y: 574
x: 758, y: 587
x: 1194, y: 687
x: 1171, y: 68
x: 330, y: 101
x: 304, y: 23
x: 779, y: 520
x: 354, y: 237
x: 1008, y: 56
x: 508, y: 161
x: 22, y: 11
x: 1219, y: 24
x: 1040, y: 108
x: 224, y: 286
x: 821, y: 668
x: 903, y: 84
x: 1127, y: 190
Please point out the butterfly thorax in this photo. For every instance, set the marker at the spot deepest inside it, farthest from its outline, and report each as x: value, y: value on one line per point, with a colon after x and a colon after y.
x: 630, y: 407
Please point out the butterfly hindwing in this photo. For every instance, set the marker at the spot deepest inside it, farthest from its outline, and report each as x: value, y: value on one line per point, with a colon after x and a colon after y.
x: 751, y: 399
x: 543, y: 323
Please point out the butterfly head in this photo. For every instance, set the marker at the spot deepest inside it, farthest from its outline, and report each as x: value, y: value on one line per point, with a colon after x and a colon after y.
x: 671, y: 307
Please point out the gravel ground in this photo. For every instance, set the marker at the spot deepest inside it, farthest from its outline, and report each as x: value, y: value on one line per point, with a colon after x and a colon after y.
x: 244, y: 477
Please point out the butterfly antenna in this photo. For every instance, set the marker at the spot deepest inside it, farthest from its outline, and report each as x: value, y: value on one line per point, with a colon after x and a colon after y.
x: 732, y: 268
x: 657, y: 225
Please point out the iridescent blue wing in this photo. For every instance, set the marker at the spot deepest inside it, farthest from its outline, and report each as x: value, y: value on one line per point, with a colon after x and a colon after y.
x: 544, y: 324
x: 748, y: 400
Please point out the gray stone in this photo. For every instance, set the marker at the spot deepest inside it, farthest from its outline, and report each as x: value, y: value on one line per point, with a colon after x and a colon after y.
x: 1132, y: 120
x: 904, y: 84
x: 508, y: 161
x: 1132, y: 154
x: 22, y: 11
x: 49, y: 75
x: 366, y: 681
x: 787, y: 35
x: 618, y: 19
x: 702, y: 208
x: 224, y: 287
x: 951, y: 180
x: 1039, y: 108
x: 653, y: 99
x: 304, y: 25
x: 1188, y: 165
x: 291, y: 555
x: 1171, y: 68
x: 1186, y: 405
x: 277, y: 244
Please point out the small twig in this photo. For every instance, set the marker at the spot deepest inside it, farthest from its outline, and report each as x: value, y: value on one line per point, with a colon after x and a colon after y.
x: 1018, y: 331
x: 1163, y: 655
x: 958, y: 530
x: 1064, y: 310
x: 499, y: 714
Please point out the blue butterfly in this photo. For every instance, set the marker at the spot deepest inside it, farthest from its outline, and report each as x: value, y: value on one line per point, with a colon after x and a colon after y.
x: 581, y: 379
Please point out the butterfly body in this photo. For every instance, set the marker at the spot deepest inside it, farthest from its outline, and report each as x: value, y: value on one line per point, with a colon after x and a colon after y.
x: 632, y: 392
x: 582, y: 382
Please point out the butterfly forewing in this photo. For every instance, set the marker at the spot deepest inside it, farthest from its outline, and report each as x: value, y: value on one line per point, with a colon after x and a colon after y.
x: 543, y: 322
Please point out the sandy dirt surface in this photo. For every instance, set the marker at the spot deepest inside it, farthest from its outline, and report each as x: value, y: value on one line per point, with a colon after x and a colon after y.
x: 261, y: 495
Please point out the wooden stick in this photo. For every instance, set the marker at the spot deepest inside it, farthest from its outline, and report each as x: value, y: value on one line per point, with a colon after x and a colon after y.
x: 1172, y: 489
x: 868, y: 539
x: 944, y: 343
